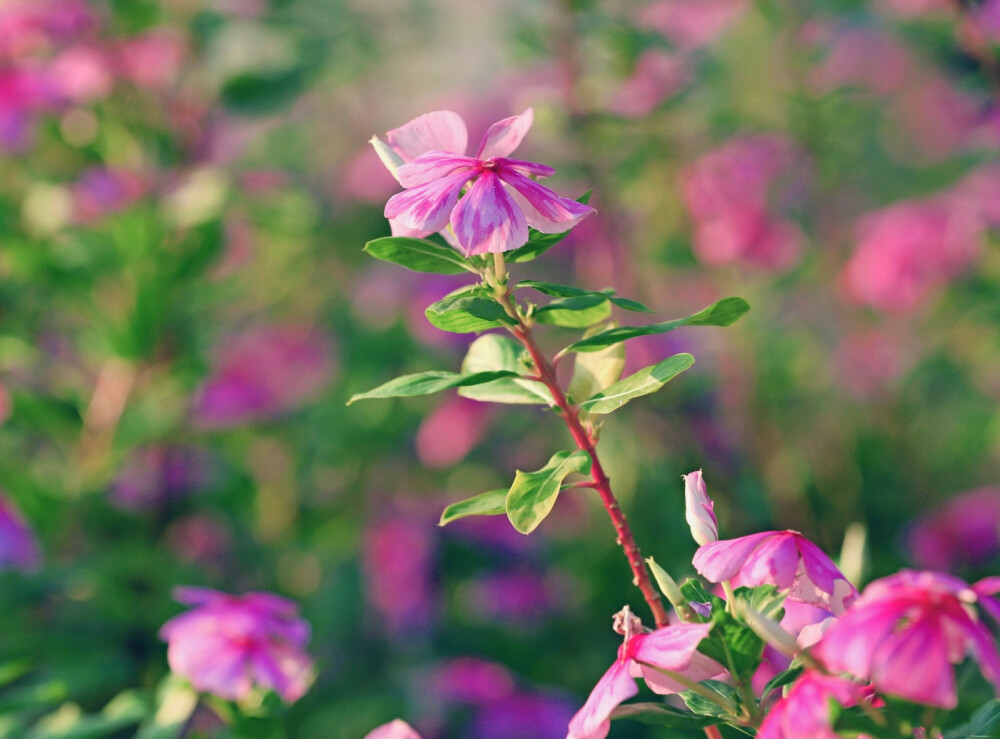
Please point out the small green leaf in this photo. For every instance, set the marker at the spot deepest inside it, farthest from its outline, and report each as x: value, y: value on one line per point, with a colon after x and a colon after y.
x: 426, y: 383
x: 723, y: 313
x: 495, y: 352
x: 531, y: 497
x: 594, y: 372
x: 579, y: 312
x: 694, y: 591
x: 419, y: 255
x: 539, y: 242
x: 782, y: 679
x: 175, y: 702
x: 491, y: 503
x: 568, y: 291
x: 463, y: 315
x: 985, y: 722
x: 661, y: 715
x: 703, y: 706
x: 643, y: 382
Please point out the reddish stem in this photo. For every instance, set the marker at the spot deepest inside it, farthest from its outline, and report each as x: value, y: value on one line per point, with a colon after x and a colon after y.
x: 712, y: 732
x: 586, y: 442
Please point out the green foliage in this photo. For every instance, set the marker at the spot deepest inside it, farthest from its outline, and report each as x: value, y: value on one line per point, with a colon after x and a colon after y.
x: 531, y: 497
x: 418, y: 255
x: 661, y: 714
x: 463, y: 314
x: 643, y: 382
x: 426, y: 383
x: 498, y: 353
x: 490, y: 503
x: 568, y: 291
x: 578, y: 312
x: 985, y: 722
x: 704, y: 706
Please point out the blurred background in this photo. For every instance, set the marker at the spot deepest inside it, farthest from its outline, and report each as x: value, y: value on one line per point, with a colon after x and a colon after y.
x: 185, y: 189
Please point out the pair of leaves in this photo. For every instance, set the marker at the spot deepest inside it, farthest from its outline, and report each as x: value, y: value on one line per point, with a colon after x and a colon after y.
x: 643, y: 382
x: 576, y: 307
x: 498, y: 353
x: 530, y: 499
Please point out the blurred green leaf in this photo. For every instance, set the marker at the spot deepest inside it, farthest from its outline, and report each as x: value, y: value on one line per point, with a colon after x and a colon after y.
x: 68, y: 722
x: 495, y: 352
x: 569, y: 291
x: 463, y: 315
x: 175, y: 702
x: 539, y: 242
x: 645, y: 381
x: 531, y: 497
x: 662, y: 715
x: 723, y: 313
x: 426, y: 383
x: 985, y: 722
x: 594, y: 372
x: 491, y: 503
x: 419, y: 255
x: 579, y: 312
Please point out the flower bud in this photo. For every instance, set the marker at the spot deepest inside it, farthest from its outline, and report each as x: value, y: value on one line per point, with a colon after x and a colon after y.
x: 699, y: 510
x: 389, y: 156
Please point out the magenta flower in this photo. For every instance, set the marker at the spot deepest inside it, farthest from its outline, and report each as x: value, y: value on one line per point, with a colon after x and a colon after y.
x: 699, y: 510
x: 228, y: 644
x: 904, y: 634
x: 805, y: 711
x: 782, y: 558
x: 670, y: 648
x: 963, y: 531
x: 502, y: 198
x: 397, y: 729
x: 18, y: 548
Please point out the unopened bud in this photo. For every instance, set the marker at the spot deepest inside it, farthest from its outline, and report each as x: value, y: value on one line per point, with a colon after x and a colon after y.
x: 699, y: 510
x: 390, y: 158
x: 669, y: 588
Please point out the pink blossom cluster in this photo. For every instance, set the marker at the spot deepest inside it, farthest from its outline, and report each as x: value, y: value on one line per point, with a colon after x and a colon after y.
x: 729, y: 193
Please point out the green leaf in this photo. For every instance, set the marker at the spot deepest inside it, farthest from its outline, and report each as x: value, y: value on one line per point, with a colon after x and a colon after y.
x: 731, y: 641
x: 539, y: 242
x: 175, y: 702
x: 765, y: 600
x: 783, y: 678
x: 491, y: 503
x: 723, y: 313
x: 579, y: 312
x: 426, y: 383
x: 594, y: 372
x: 568, y: 291
x: 661, y: 715
x: 703, y: 706
x: 643, y: 382
x: 419, y: 255
x: 68, y: 722
x: 495, y: 352
x: 985, y: 722
x: 463, y: 315
x: 531, y: 497
x: 695, y: 592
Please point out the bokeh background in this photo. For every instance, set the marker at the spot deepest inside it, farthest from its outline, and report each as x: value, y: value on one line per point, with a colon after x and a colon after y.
x: 185, y: 189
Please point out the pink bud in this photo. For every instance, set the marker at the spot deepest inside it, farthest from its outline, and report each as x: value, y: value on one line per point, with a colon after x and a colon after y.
x: 699, y: 510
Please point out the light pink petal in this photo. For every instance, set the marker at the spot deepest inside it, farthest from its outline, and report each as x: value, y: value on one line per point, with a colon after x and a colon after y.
x: 433, y: 166
x: 193, y: 596
x: 670, y: 647
x: 487, y: 219
x: 285, y: 670
x: 848, y: 645
x: 819, y: 567
x: 397, y: 729
x: 528, y: 168
x: 984, y: 649
x: 504, y: 136
x: 543, y: 209
x: 429, y: 206
x: 913, y: 664
x: 591, y: 721
x: 442, y: 130
x: 774, y: 562
x: 721, y: 560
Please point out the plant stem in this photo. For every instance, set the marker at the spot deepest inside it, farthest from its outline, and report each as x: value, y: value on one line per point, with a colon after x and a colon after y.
x: 586, y: 441
x: 712, y: 732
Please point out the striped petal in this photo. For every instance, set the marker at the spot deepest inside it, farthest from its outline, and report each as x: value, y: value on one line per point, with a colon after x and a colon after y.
x: 487, y: 219
x: 442, y: 130
x: 591, y: 721
x: 504, y: 136
x: 543, y: 209
x: 427, y: 207
x: 431, y: 166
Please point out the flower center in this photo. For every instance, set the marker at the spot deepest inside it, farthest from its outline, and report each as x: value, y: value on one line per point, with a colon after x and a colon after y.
x: 490, y: 164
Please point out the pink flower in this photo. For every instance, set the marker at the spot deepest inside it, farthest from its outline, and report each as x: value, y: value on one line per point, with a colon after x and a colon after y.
x: 805, y: 711
x: 658, y: 75
x: 690, y: 24
x: 451, y: 431
x: 397, y: 729
x: 905, y: 632
x: 227, y: 644
x: 671, y: 648
x: 152, y: 60
x: 699, y: 510
x: 782, y: 558
x: 865, y: 58
x: 965, y: 530
x: 502, y: 199
x: 18, y: 548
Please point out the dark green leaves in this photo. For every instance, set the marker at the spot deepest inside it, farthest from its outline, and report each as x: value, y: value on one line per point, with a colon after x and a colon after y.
x: 985, y: 722
x: 462, y: 314
x: 419, y: 255
x: 643, y: 382
x: 426, y: 383
x: 539, y: 242
x: 722, y: 313
x: 531, y: 497
x: 568, y: 291
x: 491, y: 503
x: 662, y: 715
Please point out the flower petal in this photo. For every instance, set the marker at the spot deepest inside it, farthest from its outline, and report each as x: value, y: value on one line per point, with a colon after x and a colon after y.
x: 427, y: 207
x: 528, y: 168
x: 434, y: 165
x: 674, y: 648
x: 774, y: 562
x: 591, y: 721
x: 504, y: 136
x: 543, y: 209
x: 442, y: 130
x: 721, y: 560
x: 487, y: 219
x: 397, y: 729
x: 913, y: 664
x: 819, y: 567
x: 848, y: 645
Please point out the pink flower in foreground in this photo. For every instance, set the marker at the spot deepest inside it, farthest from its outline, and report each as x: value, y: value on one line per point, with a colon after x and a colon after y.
x: 904, y: 634
x: 18, y: 548
x: 782, y: 558
x: 502, y: 199
x: 228, y: 644
x: 699, y: 510
x: 397, y: 729
x: 805, y: 711
x: 670, y: 648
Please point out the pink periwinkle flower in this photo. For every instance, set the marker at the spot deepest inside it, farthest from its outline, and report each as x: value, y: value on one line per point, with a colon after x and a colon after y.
x: 726, y: 192
x: 690, y: 24
x: 82, y: 73
x: 451, y: 431
x: 673, y: 648
x: 472, y: 680
x: 152, y: 60
x: 963, y: 531
x: 397, y: 729
x: 904, y: 634
x: 804, y: 713
x: 699, y: 510
x: 785, y: 559
x: 398, y: 560
x: 502, y: 198
x: 863, y: 57
x: 264, y: 372
x: 908, y: 250
x: 18, y: 547
x: 658, y: 76
x: 227, y: 644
